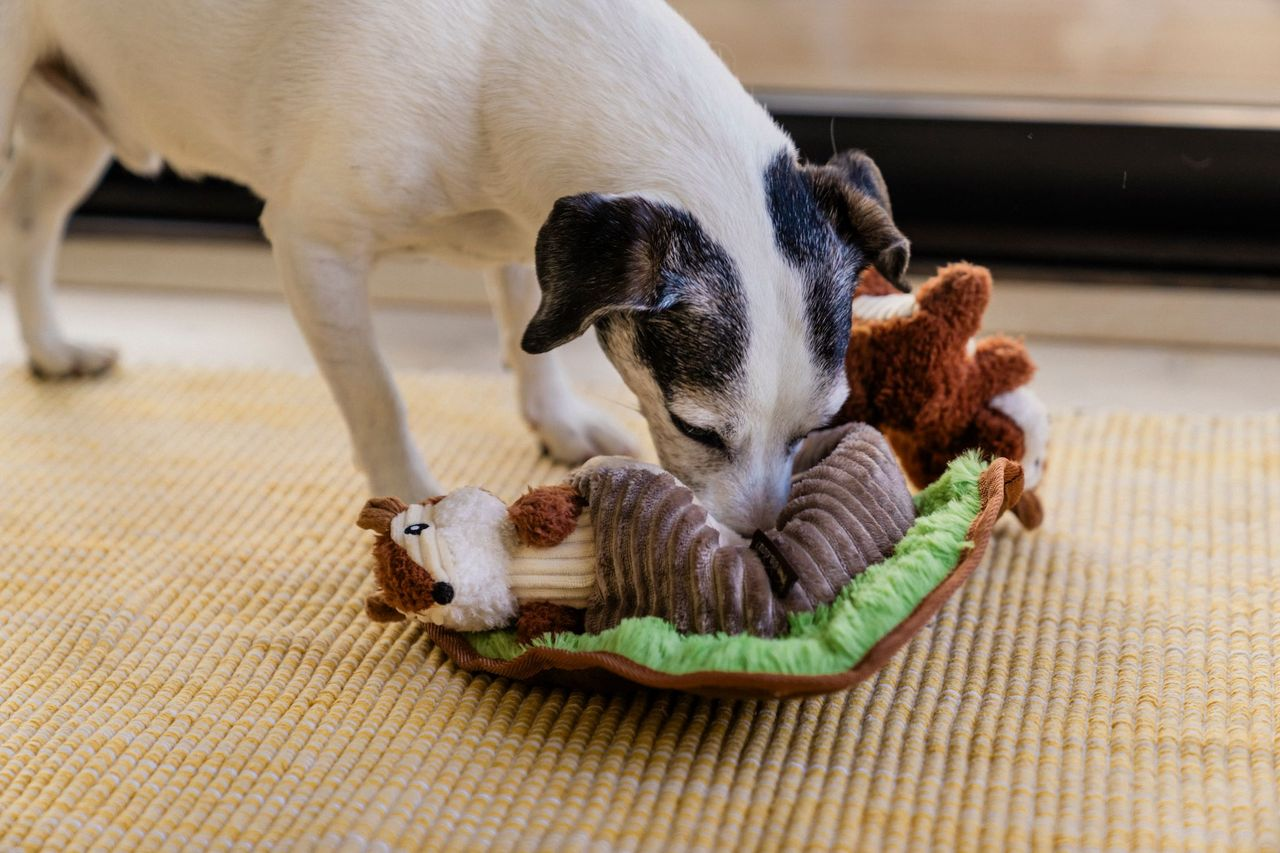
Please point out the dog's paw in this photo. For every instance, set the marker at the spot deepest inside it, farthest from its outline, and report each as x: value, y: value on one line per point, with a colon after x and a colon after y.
x: 574, y: 431
x: 72, y: 361
x: 408, y: 480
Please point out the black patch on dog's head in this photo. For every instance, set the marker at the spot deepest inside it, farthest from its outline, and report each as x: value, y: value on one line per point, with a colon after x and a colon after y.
x: 827, y: 265
x: 698, y: 342
x: 831, y: 222
x: 855, y: 199
x: 802, y: 230
x: 696, y: 345
x: 596, y: 255
x: 599, y: 255
x: 630, y: 260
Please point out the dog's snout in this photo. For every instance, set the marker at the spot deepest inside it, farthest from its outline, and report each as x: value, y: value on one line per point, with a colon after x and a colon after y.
x: 746, y: 509
x: 765, y: 509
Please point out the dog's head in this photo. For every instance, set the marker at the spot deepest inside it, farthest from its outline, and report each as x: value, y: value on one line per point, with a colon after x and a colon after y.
x: 734, y: 346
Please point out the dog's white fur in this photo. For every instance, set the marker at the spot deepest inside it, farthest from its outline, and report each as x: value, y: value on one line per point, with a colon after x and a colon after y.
x: 370, y: 126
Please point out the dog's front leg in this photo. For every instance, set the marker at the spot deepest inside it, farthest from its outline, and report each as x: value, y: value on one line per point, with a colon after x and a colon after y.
x: 572, y: 429
x: 325, y: 285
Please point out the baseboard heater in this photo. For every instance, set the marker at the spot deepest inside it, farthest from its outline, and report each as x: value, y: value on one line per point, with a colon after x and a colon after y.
x: 1170, y: 187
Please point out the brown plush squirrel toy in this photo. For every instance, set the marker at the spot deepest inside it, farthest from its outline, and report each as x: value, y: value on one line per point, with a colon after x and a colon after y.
x: 917, y: 373
x: 622, y: 539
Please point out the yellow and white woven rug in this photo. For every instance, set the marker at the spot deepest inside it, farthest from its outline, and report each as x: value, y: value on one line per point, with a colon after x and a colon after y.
x: 184, y: 661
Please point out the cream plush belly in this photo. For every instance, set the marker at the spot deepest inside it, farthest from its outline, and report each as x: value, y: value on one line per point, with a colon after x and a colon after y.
x: 562, y: 574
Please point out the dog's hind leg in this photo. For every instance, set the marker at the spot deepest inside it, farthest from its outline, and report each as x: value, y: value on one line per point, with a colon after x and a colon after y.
x: 58, y: 155
x: 571, y: 429
x: 324, y: 282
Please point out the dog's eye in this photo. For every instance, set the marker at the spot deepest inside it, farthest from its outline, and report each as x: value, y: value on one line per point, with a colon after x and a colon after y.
x: 709, y: 437
x: 415, y: 529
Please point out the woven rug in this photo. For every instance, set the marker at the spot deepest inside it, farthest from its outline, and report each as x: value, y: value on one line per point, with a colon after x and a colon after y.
x: 184, y: 661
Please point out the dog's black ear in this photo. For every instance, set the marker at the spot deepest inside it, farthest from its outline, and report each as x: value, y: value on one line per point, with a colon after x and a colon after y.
x: 598, y: 254
x: 852, y: 191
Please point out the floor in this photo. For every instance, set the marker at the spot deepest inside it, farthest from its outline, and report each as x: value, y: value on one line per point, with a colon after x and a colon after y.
x: 210, y: 329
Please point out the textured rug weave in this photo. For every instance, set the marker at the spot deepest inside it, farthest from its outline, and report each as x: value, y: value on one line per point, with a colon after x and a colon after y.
x: 184, y: 660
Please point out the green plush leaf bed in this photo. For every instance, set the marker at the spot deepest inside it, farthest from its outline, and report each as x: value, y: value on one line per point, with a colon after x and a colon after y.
x: 830, y: 648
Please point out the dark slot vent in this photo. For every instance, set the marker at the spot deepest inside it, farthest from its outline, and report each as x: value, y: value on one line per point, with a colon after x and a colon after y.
x: 1055, y: 189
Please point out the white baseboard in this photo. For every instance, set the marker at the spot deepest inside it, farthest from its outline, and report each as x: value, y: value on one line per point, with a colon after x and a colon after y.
x: 1215, y: 317
x: 245, y: 266
x: 1085, y: 311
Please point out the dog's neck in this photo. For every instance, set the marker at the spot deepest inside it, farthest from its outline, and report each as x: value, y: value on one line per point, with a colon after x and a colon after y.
x: 620, y: 98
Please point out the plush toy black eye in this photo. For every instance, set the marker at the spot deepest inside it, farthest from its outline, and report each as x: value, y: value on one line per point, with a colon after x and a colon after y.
x: 441, y: 593
x: 415, y: 529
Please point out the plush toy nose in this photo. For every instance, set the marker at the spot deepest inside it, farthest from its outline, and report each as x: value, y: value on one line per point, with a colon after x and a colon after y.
x: 441, y: 593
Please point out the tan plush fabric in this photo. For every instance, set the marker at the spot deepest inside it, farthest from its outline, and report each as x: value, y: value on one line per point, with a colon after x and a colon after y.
x: 656, y: 555
x: 184, y: 659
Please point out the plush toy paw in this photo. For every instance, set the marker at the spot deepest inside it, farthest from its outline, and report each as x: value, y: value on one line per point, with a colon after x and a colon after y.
x: 1029, y: 511
x: 539, y: 618
x: 379, y: 610
x: 574, y: 431
x: 546, y: 516
x: 71, y: 361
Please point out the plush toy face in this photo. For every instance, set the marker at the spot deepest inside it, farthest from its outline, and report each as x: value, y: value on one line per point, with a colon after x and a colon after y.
x: 417, y: 531
x: 461, y: 543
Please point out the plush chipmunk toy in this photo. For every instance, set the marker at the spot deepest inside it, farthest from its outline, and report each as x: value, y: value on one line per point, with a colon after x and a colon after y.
x: 622, y: 539
x: 469, y: 562
x: 917, y: 372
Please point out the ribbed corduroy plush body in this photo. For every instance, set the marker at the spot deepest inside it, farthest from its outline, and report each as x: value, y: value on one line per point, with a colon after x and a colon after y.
x: 657, y: 556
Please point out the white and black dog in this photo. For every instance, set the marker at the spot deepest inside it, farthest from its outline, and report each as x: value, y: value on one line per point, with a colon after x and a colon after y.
x: 604, y: 141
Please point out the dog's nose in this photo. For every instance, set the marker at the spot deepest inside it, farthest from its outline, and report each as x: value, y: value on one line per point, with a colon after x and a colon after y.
x: 759, y: 512
x: 766, y: 515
